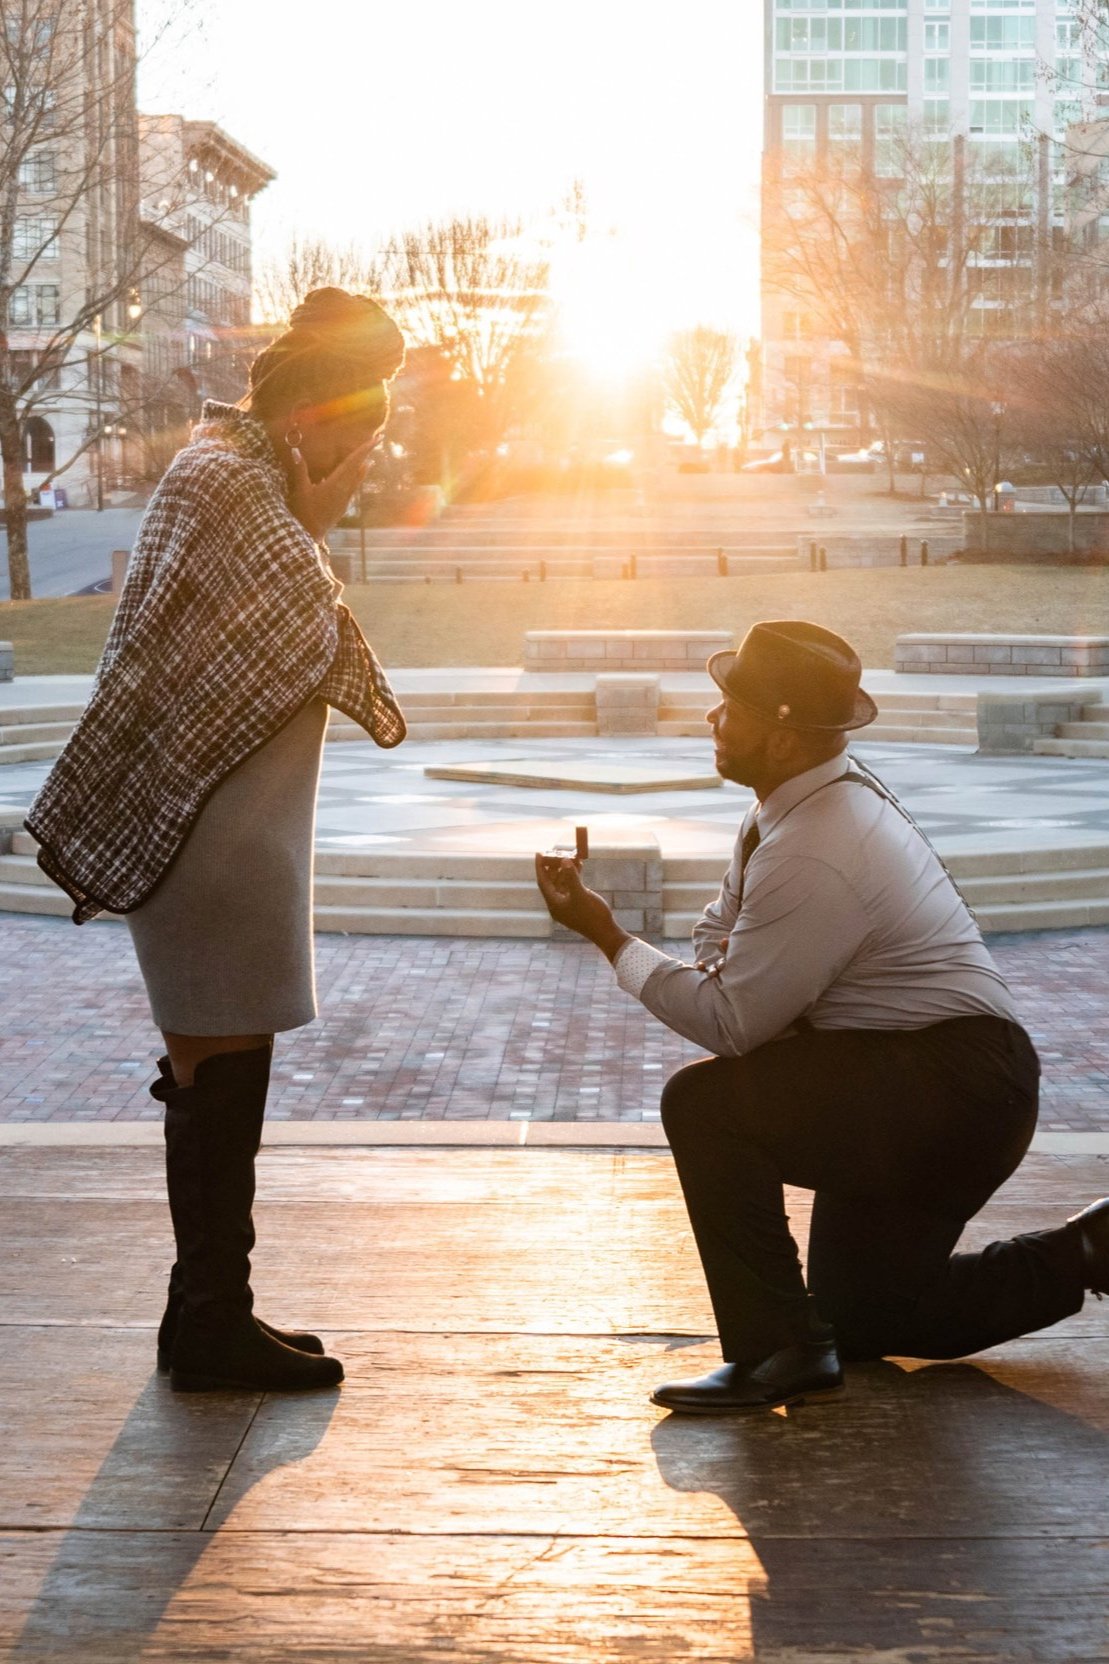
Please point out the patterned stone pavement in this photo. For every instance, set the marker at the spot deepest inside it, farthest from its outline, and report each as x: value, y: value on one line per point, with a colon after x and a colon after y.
x: 437, y: 1029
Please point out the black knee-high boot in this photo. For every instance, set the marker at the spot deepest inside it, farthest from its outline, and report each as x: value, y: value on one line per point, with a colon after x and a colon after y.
x: 213, y: 1130
x: 167, y: 1329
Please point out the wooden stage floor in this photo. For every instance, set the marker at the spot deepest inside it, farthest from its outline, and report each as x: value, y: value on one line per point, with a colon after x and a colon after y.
x: 492, y: 1483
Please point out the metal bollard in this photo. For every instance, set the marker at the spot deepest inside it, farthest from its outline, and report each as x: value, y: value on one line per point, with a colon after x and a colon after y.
x: 924, y: 554
x: 542, y: 571
x: 812, y: 557
x: 721, y: 564
x: 822, y: 557
x: 904, y: 550
x: 632, y: 567
x: 458, y: 574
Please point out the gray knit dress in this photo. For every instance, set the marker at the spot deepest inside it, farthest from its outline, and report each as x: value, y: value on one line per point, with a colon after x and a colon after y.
x: 224, y: 942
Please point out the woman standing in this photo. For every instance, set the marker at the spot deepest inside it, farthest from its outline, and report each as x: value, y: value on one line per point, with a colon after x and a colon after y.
x: 185, y: 798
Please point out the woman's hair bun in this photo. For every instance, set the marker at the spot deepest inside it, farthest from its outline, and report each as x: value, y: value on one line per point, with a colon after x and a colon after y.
x: 336, y: 344
x: 351, y: 325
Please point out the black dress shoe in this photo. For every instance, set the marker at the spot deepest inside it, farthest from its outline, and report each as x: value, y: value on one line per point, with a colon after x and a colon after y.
x: 1093, y: 1230
x: 798, y: 1374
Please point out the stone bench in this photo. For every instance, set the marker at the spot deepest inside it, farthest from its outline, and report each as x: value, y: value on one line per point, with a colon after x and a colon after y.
x: 631, y: 650
x: 7, y: 661
x: 1002, y: 654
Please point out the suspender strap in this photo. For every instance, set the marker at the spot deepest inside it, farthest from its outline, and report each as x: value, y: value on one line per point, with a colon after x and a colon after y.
x: 861, y: 776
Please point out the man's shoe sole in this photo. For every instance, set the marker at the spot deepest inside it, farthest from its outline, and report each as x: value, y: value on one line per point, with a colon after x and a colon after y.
x: 817, y: 1396
x: 181, y: 1382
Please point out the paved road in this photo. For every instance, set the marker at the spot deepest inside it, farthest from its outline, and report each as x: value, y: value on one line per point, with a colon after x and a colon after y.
x: 72, y: 550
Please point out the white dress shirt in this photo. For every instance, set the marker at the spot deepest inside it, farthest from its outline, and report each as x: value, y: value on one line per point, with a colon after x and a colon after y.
x: 847, y: 919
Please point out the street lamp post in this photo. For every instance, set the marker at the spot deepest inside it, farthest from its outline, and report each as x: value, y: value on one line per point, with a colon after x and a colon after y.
x: 97, y: 337
x: 134, y: 313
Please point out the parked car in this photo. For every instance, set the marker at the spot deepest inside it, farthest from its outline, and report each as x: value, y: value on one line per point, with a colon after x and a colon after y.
x: 780, y: 462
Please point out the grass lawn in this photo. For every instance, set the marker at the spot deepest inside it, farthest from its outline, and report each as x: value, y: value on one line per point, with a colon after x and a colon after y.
x: 484, y: 623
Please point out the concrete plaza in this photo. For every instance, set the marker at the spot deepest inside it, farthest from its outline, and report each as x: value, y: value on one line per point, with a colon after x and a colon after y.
x: 491, y: 1483
x: 465, y: 1190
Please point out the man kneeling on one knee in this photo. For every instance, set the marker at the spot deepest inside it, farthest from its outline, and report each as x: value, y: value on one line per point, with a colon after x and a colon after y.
x: 865, y: 1047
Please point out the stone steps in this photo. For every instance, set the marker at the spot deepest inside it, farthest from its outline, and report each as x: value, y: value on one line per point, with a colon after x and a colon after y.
x: 452, y: 893
x: 1086, y: 737
x: 1071, y: 748
x: 1092, y: 730
x: 478, y: 728
x: 903, y: 718
x: 895, y: 733
x: 488, y: 715
x: 42, y: 751
x: 35, y: 733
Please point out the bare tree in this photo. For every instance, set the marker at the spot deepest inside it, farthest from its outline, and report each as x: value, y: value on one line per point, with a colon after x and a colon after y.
x: 312, y: 263
x: 75, y: 248
x: 906, y: 257
x: 699, y: 365
x: 965, y: 416
x: 478, y: 289
x: 1060, y: 412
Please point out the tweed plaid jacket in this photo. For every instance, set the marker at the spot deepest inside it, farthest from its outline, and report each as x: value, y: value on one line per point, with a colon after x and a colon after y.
x: 229, y: 622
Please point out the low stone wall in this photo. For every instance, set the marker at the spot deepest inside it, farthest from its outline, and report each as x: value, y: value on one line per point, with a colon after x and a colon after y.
x: 7, y: 661
x: 946, y: 654
x: 1009, y: 722
x: 841, y: 550
x: 1094, y: 496
x: 635, y: 650
x: 1037, y: 536
x: 629, y: 877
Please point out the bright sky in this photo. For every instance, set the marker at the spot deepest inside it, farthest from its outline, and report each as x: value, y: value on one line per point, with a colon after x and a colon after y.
x: 375, y: 116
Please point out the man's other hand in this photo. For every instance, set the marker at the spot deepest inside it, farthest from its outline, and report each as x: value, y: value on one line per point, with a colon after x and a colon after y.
x: 713, y: 967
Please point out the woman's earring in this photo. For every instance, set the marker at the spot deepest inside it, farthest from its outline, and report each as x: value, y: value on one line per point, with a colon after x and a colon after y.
x: 294, y: 438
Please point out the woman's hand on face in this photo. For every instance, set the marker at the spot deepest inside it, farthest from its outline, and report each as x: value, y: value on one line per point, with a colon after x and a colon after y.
x: 319, y: 505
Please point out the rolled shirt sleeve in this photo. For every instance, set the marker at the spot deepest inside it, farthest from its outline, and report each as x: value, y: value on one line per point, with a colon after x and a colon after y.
x: 800, y: 925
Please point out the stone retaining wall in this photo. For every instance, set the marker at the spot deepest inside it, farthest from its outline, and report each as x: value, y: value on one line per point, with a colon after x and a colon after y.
x: 1010, y: 722
x: 629, y: 877
x: 1002, y: 655
x: 842, y: 550
x: 1037, y: 535
x: 627, y: 702
x: 633, y: 650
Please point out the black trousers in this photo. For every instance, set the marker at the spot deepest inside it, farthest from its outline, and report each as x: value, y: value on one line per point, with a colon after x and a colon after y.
x: 902, y: 1136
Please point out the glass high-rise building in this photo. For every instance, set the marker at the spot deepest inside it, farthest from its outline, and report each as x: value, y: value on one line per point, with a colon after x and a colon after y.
x: 1005, y: 75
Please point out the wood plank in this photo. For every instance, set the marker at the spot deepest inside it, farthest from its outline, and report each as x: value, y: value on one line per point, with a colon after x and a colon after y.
x: 471, y: 1433
x: 322, y: 1598
x: 419, y: 1175
x: 357, y: 1240
x: 94, y: 1438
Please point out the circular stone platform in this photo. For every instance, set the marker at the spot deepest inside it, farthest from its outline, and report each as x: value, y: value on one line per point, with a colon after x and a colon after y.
x: 585, y: 775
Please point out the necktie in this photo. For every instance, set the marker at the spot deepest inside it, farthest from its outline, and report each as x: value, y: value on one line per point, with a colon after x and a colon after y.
x: 746, y: 849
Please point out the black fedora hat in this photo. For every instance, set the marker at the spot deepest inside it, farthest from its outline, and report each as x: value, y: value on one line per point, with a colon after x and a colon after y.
x: 796, y: 674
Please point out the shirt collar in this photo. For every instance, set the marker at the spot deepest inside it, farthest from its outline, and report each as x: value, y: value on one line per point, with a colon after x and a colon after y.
x: 792, y: 792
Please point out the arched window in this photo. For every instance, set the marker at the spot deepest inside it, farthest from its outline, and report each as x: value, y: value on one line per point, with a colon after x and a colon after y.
x: 38, y: 446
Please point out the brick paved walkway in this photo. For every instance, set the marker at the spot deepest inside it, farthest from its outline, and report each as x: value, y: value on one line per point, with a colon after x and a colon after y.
x: 431, y: 1029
